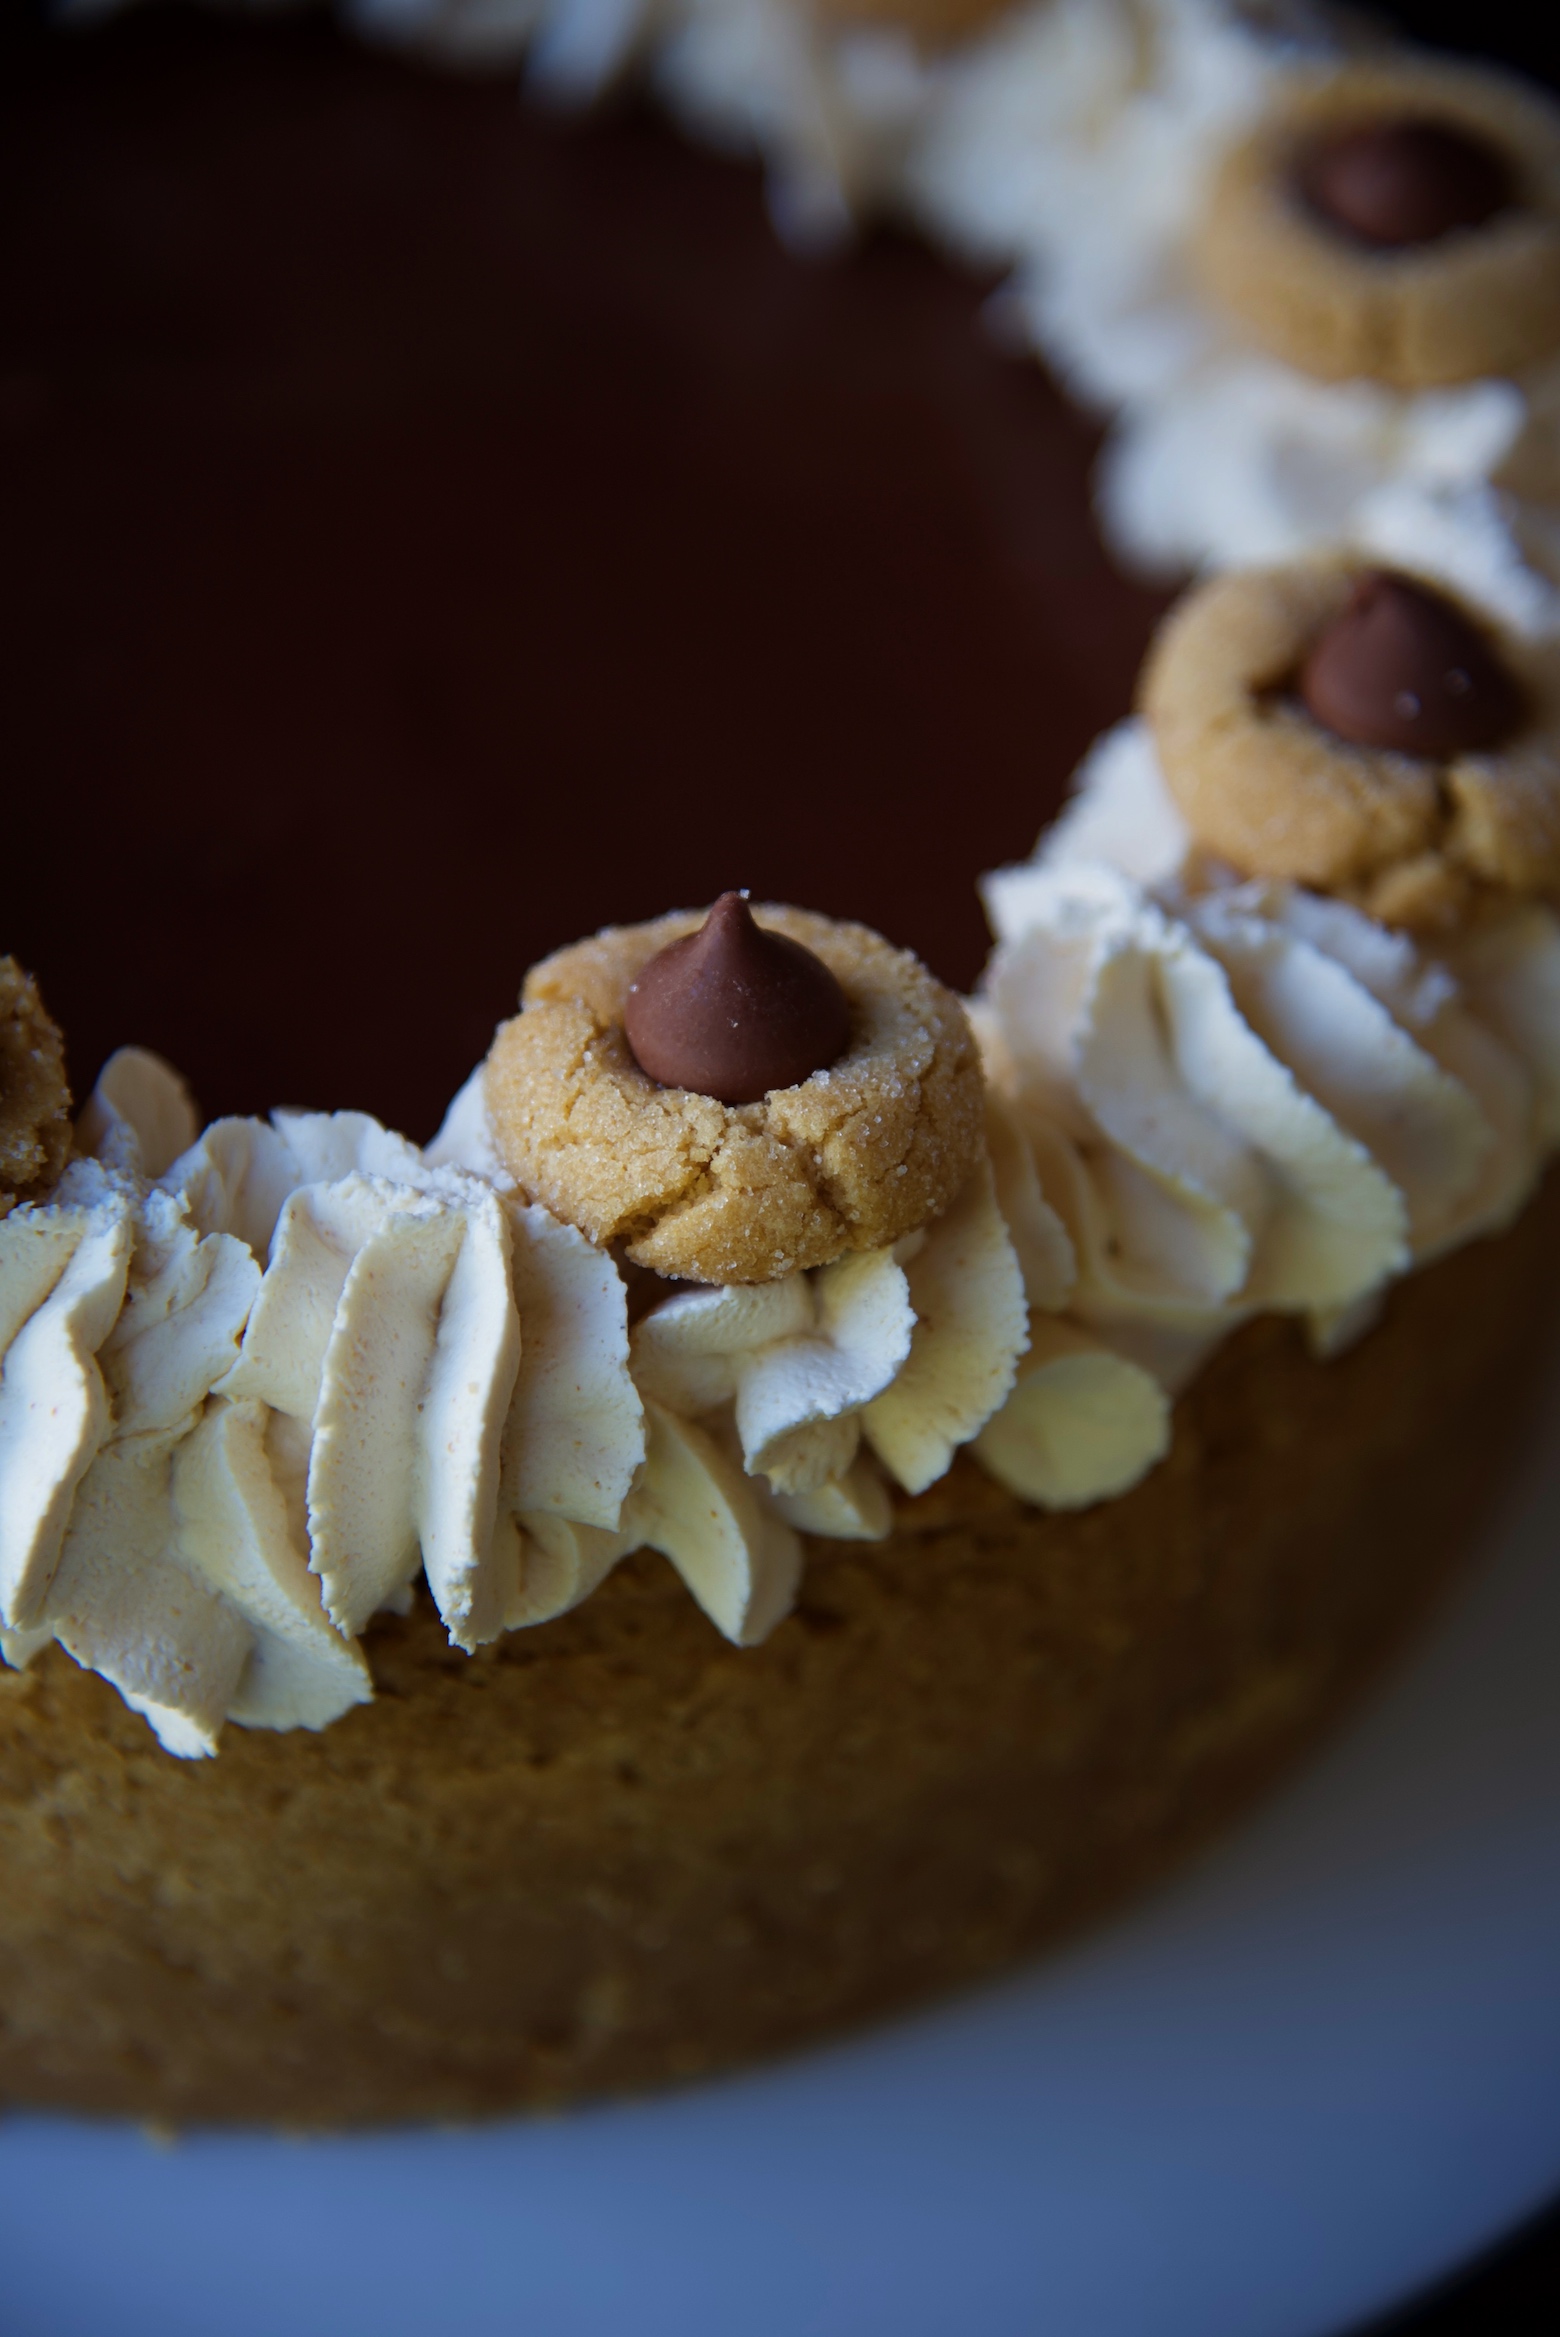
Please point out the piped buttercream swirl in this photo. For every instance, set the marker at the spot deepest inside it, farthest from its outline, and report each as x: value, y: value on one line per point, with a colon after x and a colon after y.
x: 283, y: 1376
x: 1243, y: 1097
x: 245, y: 1400
x: 790, y: 1407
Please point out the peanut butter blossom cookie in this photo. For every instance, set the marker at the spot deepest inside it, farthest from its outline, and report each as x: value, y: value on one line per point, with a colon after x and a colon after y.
x: 736, y: 1099
x: 1362, y: 730
x: 1399, y: 221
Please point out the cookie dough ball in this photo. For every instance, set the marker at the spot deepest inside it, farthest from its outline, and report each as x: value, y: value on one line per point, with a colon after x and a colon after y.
x: 1412, y: 829
x: 1399, y: 221
x: 34, y: 1097
x: 863, y: 1151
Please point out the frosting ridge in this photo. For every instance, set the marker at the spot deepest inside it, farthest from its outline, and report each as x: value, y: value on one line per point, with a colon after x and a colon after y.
x: 306, y: 1361
x: 284, y: 1376
x: 1242, y: 1096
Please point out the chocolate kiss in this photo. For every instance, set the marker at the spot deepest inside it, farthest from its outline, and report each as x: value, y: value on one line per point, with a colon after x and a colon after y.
x: 1403, y: 668
x: 733, y: 1010
x: 1399, y: 183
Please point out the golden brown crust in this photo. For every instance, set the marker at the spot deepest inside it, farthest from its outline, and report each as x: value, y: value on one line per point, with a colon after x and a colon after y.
x: 1265, y: 787
x: 614, y: 1851
x: 709, y: 1192
x: 1484, y: 301
x: 34, y: 1095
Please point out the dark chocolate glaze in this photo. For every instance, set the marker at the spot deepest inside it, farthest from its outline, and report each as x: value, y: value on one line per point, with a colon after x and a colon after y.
x: 1397, y: 184
x: 734, y: 1010
x: 1404, y: 668
x: 435, y: 529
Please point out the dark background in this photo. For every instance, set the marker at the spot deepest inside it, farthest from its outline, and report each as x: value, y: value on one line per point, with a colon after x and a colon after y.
x: 432, y: 529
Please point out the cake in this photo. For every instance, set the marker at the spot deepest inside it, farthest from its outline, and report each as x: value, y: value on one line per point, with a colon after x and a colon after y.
x: 729, y: 1539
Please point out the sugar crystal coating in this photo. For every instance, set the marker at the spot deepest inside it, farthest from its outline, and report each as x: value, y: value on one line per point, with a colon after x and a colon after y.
x: 712, y: 1192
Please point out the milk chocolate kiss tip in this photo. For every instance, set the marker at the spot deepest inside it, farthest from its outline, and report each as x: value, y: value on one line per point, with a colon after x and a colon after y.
x: 1395, y: 184
x: 1404, y: 669
x: 734, y: 1010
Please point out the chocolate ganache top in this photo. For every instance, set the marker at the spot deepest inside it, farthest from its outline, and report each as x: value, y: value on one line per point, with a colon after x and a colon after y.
x: 374, y: 440
x: 1404, y: 669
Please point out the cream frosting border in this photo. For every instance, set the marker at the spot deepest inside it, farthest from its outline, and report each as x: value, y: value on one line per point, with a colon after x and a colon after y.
x: 1070, y: 141
x: 306, y: 1361
x: 1243, y: 1097
x: 202, y: 1337
x: 245, y: 1401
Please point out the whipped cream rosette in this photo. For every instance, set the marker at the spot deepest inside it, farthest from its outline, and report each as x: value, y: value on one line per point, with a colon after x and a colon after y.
x: 1247, y: 460
x: 832, y: 105
x: 256, y: 1379
x: 830, y: 98
x: 448, y: 1371
x: 1090, y: 144
x: 973, y: 114
x: 781, y: 1118
x: 1077, y: 140
x: 245, y: 1400
x: 1245, y: 1096
x: 119, y: 1317
x: 1388, y: 383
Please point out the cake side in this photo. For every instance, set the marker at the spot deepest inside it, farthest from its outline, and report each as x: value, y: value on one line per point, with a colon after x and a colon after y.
x: 305, y: 1361
x: 615, y: 1851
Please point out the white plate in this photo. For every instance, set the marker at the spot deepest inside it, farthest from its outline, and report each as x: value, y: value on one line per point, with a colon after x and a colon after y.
x: 1313, y: 2076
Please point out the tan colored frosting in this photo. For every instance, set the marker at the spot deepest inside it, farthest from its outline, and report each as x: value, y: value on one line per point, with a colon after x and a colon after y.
x: 1247, y: 1096
x: 307, y: 1362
